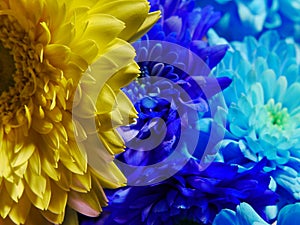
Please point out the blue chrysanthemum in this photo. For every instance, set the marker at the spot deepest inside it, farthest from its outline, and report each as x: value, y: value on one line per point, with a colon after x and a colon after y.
x: 186, y: 26
x: 191, y: 195
x: 263, y: 111
x: 246, y: 215
x: 250, y: 17
x: 158, y: 103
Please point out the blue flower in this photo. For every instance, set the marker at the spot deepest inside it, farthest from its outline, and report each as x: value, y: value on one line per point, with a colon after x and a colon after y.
x: 263, y: 110
x: 246, y: 215
x: 193, y: 194
x: 159, y: 101
x: 251, y: 17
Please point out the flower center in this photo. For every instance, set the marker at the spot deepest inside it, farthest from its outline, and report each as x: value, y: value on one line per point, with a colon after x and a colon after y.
x: 278, y: 116
x: 7, y: 69
x: 18, y: 65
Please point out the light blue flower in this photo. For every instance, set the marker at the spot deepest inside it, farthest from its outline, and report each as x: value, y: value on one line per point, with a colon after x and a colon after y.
x: 251, y: 17
x: 263, y: 108
x: 246, y: 215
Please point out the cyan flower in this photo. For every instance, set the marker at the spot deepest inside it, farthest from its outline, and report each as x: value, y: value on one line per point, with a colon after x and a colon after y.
x: 191, y: 195
x: 251, y: 17
x: 246, y: 215
x: 263, y: 112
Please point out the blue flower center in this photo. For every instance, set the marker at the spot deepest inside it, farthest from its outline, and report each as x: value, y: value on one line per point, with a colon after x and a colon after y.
x: 278, y: 115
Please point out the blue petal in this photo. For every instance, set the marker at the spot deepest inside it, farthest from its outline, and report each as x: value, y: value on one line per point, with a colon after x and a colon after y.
x: 289, y: 215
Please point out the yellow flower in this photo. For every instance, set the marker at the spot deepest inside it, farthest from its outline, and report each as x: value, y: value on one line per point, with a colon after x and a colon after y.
x: 47, y: 51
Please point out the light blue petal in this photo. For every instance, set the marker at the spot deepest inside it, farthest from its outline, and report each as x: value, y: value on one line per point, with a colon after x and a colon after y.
x: 257, y: 94
x: 251, y: 78
x: 291, y: 71
x: 268, y: 78
x: 280, y: 89
x: 289, y: 215
x: 274, y: 63
x: 247, y: 216
x: 260, y: 65
x: 226, y: 216
x: 292, y: 96
x: 269, y: 39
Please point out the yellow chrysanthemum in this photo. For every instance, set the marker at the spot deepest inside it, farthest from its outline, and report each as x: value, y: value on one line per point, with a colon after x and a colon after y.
x: 47, y: 47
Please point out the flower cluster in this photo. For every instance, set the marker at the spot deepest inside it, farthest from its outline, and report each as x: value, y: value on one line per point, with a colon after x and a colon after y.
x: 158, y: 112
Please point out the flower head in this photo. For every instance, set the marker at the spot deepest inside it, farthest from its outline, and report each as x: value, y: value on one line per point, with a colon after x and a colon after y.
x: 263, y: 108
x: 158, y: 92
x: 46, y: 46
x: 192, y: 194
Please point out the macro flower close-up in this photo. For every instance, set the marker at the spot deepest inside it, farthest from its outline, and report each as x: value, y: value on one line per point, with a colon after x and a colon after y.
x: 263, y: 108
x: 149, y: 112
x: 46, y: 47
x: 155, y: 91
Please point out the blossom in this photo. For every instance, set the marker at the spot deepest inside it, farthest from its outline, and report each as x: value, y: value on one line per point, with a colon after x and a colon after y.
x: 243, y: 17
x: 193, y: 194
x: 245, y: 215
x: 46, y: 47
x: 262, y: 107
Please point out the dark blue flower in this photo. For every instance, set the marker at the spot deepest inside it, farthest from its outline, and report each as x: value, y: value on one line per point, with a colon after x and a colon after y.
x: 192, y: 194
x: 159, y: 100
x: 158, y: 103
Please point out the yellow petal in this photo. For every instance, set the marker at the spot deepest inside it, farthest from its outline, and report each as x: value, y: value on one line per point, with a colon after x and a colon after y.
x: 81, y: 183
x: 126, y: 109
x: 112, y: 141
x: 41, y: 203
x: 133, y: 13
x: 41, y: 126
x: 102, y: 32
x: 6, y: 203
x: 20, y: 211
x: 65, y: 180
x: 58, y: 55
x: 23, y: 155
x: 106, y: 100
x: 36, y: 182
x: 124, y: 76
x: 152, y: 18
x: 50, y: 169
x: 52, y: 217
x: 15, y: 190
x: 58, y: 199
